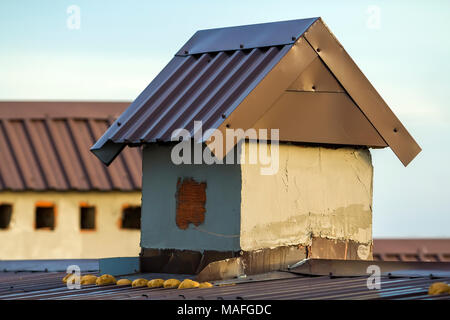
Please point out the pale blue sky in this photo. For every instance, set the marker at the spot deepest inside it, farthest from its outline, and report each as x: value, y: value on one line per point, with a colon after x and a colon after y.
x: 122, y: 45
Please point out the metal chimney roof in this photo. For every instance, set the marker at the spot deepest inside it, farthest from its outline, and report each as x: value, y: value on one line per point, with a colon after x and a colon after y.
x: 292, y: 75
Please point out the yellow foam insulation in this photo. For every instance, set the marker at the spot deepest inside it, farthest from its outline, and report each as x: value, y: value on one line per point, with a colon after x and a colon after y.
x: 123, y: 282
x: 66, y: 278
x: 139, y: 283
x: 155, y: 283
x: 438, y: 288
x: 171, y: 283
x: 205, y: 285
x: 88, y: 279
x: 105, y: 280
x: 188, y: 283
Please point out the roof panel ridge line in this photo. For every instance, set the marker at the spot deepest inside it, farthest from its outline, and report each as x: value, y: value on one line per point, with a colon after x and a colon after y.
x: 276, y: 100
x: 197, y: 81
x: 155, y: 95
x: 125, y: 166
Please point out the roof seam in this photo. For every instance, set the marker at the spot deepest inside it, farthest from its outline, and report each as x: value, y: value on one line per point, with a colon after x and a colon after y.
x: 44, y: 178
x: 56, y: 153
x: 103, y: 168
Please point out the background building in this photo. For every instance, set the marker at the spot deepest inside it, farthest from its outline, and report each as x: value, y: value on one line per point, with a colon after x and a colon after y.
x: 56, y: 199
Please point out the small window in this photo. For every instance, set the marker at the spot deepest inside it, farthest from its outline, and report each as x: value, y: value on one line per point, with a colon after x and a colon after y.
x: 87, y: 217
x: 45, y: 216
x: 131, y: 217
x: 5, y: 215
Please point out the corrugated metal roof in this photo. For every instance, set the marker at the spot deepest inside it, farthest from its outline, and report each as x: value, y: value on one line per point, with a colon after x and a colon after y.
x: 45, y: 146
x: 230, y: 77
x: 24, y: 285
x: 205, y: 87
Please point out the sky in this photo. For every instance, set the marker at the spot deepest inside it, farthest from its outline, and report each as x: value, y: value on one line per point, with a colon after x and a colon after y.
x: 118, y: 47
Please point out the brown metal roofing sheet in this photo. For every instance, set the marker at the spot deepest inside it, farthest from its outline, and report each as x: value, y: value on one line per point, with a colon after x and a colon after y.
x: 346, y: 268
x: 214, y: 80
x: 42, y: 148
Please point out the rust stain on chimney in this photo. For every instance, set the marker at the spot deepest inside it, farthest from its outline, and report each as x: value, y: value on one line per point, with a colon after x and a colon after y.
x: 191, y: 199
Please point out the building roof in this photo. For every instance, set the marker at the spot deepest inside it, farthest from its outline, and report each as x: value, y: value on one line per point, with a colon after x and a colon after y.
x: 292, y: 75
x: 432, y: 250
x: 45, y: 146
x: 280, y: 285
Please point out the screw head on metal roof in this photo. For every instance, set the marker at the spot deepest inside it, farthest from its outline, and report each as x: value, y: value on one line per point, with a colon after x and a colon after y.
x: 241, y: 46
x: 118, y: 123
x: 293, y: 38
x: 227, y: 125
x: 318, y: 49
x: 224, y: 115
x: 186, y: 52
x: 395, y: 130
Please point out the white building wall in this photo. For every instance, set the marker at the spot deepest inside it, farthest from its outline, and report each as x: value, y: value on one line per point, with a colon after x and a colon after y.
x: 22, y: 241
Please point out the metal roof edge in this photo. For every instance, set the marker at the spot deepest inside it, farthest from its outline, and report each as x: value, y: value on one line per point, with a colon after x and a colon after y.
x: 107, y: 150
x: 243, y: 37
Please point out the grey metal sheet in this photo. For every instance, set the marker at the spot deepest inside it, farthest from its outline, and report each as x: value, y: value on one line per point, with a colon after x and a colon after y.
x: 246, y: 37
